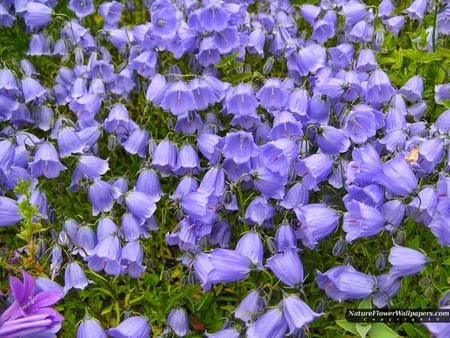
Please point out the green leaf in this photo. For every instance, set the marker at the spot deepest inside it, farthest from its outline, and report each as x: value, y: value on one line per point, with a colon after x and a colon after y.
x: 380, y: 330
x: 365, y: 304
x: 226, y: 60
x: 363, y: 329
x: 350, y: 327
x: 237, y: 78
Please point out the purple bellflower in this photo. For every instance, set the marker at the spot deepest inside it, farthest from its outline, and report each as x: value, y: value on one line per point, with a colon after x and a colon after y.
x: 361, y: 220
x: 251, y: 306
x: 37, y: 15
x: 406, y: 261
x: 74, y: 277
x: 179, y: 322
x: 90, y: 328
x: 133, y: 327
x: 287, y: 266
x: 9, y: 212
x: 317, y: 221
x: 343, y: 282
x: 46, y: 162
x: 297, y: 313
x: 81, y: 8
x: 271, y: 324
x: 227, y: 266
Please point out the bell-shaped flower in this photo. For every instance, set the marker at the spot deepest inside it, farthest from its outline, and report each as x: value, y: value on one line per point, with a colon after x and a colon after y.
x: 213, y: 182
x: 361, y: 220
x: 366, y: 61
x: 178, y: 98
x: 287, y: 266
x: 118, y: 121
x: 259, y: 211
x: 86, y: 106
x: 285, y: 238
x: 406, y: 261
x: 186, y: 185
x: 132, y: 255
x: 416, y: 9
x: 148, y: 183
x: 341, y: 55
x: 314, y: 169
x: 317, y: 221
x: 90, y: 328
x: 187, y: 160
x: 270, y: 324
x: 241, y: 100
x: 74, y: 277
x: 310, y: 59
x: 272, y: 95
x: 362, y: 123
x: 86, y: 240
x: 227, y: 266
x: 296, y: 196
x: 89, y: 166
x: 46, y: 162
x: 68, y: 142
x: 270, y: 183
x: 140, y: 204
x: 111, y: 12
x: 37, y: 15
x: 251, y: 246
x: 137, y: 142
x: 107, y: 255
x: 343, y: 282
x: 133, y: 327
x: 413, y: 89
x: 379, y: 88
x: 165, y: 157
x: 297, y: 313
x: 81, y: 8
x: 201, y: 206
x: 251, y: 306
x: 133, y: 227
x: 332, y: 140
x: 441, y: 92
x: 99, y: 194
x: 9, y: 211
x: 208, y: 144
x: 179, y: 322
x: 388, y: 287
x: 397, y: 177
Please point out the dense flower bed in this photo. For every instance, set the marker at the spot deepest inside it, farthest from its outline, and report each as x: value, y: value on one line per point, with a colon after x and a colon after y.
x: 228, y: 168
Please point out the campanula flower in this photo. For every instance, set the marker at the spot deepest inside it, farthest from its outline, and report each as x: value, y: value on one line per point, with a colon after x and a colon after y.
x: 89, y: 328
x: 200, y: 205
x: 297, y: 313
x: 388, y: 286
x: 251, y: 246
x: 361, y: 220
x: 148, y: 182
x: 111, y: 12
x: 133, y: 227
x: 9, y: 211
x: 81, y: 8
x: 316, y: 221
x: 343, y: 282
x: 133, y: 327
x: 165, y: 22
x: 332, y: 140
x: 132, y: 255
x: 178, y: 98
x: 227, y: 266
x: 272, y: 95
x: 46, y: 162
x: 241, y: 100
x: 314, y: 169
x: 413, y: 89
x: 342, y: 55
x: 269, y: 183
x: 296, y: 196
x: 99, y: 194
x: 107, y: 255
x: 251, y: 306
x: 32, y: 89
x: 239, y: 146
x: 37, y: 15
x: 397, y: 177
x: 179, y: 322
x: 362, y: 123
x: 406, y: 261
x: 140, y: 204
x: 416, y: 9
x: 137, y: 142
x: 287, y: 266
x: 74, y: 277
x: 118, y: 121
x: 259, y: 211
x: 165, y: 157
x: 187, y: 160
x: 270, y: 324
x: 68, y: 142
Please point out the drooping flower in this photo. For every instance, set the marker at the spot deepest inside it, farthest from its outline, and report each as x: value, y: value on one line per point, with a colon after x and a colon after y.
x: 37, y: 15
x: 343, y: 282
x: 9, y: 211
x: 297, y: 313
x: 81, y: 8
x: 287, y: 266
x: 406, y: 261
x: 74, y: 277
x: 178, y: 322
x: 90, y: 328
x: 46, y: 162
x: 133, y: 327
x: 361, y: 220
x: 270, y: 324
x: 227, y: 266
x: 251, y: 306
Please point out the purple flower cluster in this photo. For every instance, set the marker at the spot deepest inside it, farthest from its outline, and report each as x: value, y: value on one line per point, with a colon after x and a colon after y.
x: 332, y: 120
